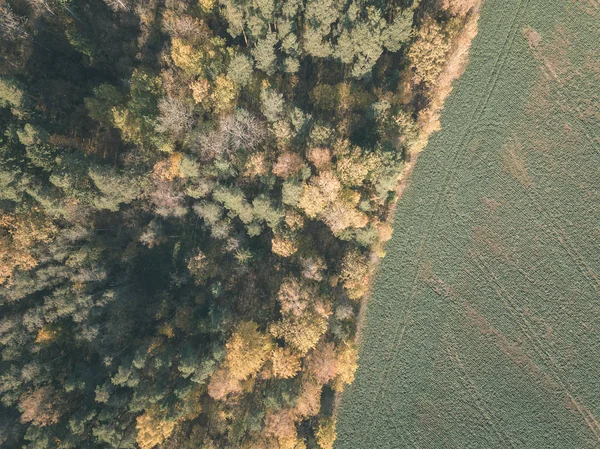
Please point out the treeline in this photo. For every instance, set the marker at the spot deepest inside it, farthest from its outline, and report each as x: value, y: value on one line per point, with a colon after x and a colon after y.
x: 193, y: 197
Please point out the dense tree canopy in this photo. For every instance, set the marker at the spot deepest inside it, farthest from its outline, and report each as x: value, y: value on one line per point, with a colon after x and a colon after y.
x: 192, y: 199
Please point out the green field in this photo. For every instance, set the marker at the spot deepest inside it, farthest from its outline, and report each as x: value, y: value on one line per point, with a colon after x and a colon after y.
x: 483, y: 330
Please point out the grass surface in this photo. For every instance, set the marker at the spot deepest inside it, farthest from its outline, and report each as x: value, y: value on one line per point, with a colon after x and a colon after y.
x: 483, y: 330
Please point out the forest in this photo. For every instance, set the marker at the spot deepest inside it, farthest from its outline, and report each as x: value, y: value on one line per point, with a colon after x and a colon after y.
x: 194, y: 196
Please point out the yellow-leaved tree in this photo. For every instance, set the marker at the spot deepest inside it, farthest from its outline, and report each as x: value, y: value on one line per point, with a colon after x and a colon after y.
x: 356, y: 274
x: 224, y: 95
x: 301, y: 332
x: 152, y: 429
x: 326, y: 435
x: 186, y: 56
x: 347, y: 363
x: 247, y: 350
x: 428, y: 53
x: 323, y: 197
x: 284, y: 363
x: 19, y: 233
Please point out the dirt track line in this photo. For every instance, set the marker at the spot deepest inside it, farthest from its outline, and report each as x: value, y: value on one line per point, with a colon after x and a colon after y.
x: 496, y: 71
x: 385, y: 378
x: 563, y: 239
x: 475, y: 118
x: 472, y: 388
x: 508, y: 300
x: 562, y: 101
x: 554, y: 368
x: 560, y: 235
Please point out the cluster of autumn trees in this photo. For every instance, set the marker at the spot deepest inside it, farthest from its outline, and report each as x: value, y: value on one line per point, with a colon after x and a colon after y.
x: 193, y: 197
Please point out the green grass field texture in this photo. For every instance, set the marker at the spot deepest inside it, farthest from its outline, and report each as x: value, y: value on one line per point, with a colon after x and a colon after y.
x: 483, y: 330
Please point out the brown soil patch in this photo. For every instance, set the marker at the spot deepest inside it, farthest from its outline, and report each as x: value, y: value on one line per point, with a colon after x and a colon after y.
x: 485, y: 238
x: 591, y: 7
x: 554, y: 55
x: 534, y: 39
x: 491, y: 203
x: 514, y: 164
x: 508, y: 348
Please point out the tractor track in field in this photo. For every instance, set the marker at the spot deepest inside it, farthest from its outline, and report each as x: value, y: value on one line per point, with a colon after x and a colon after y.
x: 495, y: 263
x: 510, y: 305
x: 476, y: 117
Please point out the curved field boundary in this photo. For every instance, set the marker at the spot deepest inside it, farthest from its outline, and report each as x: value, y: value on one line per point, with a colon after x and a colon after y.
x: 482, y: 330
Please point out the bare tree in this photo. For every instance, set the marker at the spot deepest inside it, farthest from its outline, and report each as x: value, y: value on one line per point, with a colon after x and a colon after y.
x: 459, y: 7
x: 242, y: 130
x: 42, y: 407
x: 185, y: 27
x: 167, y: 201
x: 11, y: 25
x: 175, y: 116
x: 118, y: 5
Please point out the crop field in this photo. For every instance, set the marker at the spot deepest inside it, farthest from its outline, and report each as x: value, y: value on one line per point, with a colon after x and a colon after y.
x: 483, y: 330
